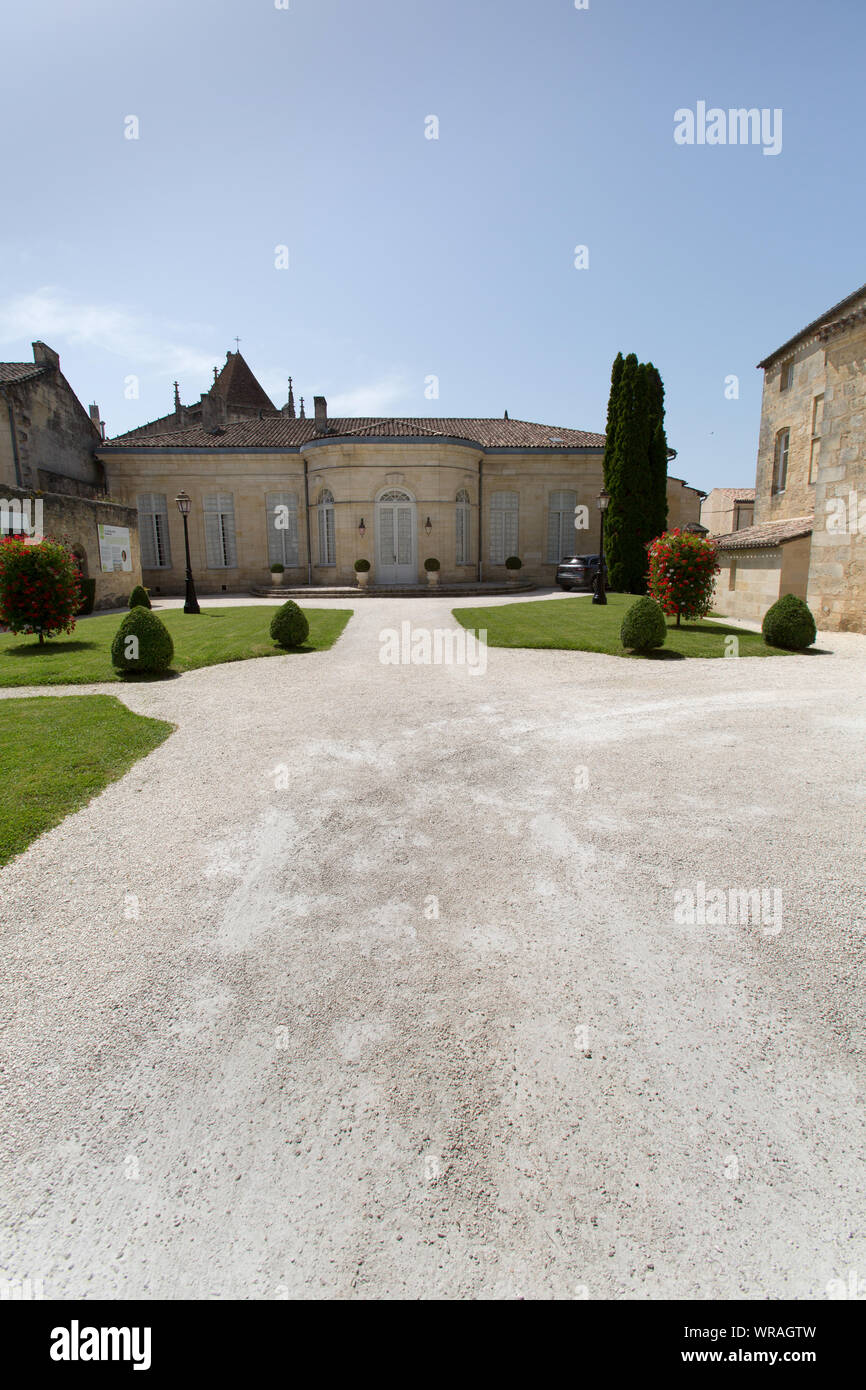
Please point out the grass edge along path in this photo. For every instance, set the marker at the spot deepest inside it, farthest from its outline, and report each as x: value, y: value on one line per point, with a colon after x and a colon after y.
x: 209, y: 638
x: 577, y: 624
x: 58, y: 752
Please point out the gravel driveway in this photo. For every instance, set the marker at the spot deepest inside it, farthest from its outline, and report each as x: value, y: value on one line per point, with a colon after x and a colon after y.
x: 245, y: 1058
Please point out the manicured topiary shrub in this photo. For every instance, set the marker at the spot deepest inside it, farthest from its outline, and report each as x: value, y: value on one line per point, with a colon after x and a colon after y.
x: 289, y: 627
x: 88, y: 591
x: 362, y: 566
x: 139, y: 598
x: 142, y: 642
x: 514, y: 563
x: 643, y: 626
x: 432, y: 565
x: 789, y: 624
x: 40, y: 586
x: 278, y: 569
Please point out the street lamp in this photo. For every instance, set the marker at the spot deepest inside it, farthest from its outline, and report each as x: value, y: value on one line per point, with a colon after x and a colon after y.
x: 600, y: 596
x: 191, y: 602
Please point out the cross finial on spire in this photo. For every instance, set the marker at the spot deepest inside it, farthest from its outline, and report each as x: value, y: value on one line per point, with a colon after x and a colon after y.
x: 215, y: 374
x: 237, y: 344
x: 302, y: 416
x: 290, y: 408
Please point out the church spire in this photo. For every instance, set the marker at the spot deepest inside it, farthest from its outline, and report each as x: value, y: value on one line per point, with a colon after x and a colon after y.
x: 176, y: 397
x: 290, y: 408
x: 302, y: 416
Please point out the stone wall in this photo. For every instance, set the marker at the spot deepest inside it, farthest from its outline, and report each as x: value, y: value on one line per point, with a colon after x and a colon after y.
x: 791, y: 409
x: 750, y: 581
x: 74, y: 521
x: 837, y: 581
x: 52, y: 430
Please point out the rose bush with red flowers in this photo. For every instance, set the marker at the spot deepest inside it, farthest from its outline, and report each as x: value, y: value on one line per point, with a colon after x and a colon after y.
x: 682, y: 573
x: 40, y: 588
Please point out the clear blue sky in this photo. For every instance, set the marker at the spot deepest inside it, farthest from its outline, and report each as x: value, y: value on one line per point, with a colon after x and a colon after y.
x: 408, y: 257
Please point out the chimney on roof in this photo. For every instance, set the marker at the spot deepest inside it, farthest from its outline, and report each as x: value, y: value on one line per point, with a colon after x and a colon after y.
x: 321, y: 414
x: 94, y: 415
x: 44, y: 356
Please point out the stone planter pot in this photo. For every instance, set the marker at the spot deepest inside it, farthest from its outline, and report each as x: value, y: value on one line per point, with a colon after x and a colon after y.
x: 432, y: 579
x: 362, y: 577
x: 278, y: 577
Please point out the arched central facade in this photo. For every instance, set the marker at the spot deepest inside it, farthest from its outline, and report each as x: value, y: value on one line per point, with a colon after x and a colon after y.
x: 396, y: 537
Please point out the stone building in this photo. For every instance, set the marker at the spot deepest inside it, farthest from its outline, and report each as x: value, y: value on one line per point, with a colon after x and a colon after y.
x: 810, y: 487
x: 48, y: 445
x: 316, y: 493
x: 727, y: 509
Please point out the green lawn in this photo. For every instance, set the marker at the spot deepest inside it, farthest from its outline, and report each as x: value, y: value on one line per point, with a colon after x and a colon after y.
x: 577, y: 624
x: 58, y: 752
x: 200, y: 639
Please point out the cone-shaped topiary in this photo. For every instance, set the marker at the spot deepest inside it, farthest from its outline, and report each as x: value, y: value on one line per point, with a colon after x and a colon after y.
x: 789, y: 624
x: 643, y: 626
x: 139, y: 598
x: 142, y: 642
x: 289, y: 627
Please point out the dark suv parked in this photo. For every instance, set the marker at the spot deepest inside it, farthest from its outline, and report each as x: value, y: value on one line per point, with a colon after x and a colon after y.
x: 577, y: 572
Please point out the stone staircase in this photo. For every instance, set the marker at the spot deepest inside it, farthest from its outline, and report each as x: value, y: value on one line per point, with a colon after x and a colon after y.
x: 353, y: 591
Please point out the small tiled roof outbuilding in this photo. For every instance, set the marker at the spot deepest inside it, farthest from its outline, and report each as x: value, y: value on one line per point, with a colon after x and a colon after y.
x: 767, y: 534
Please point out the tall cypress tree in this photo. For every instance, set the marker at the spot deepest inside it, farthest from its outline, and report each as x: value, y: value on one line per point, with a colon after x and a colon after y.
x: 635, y: 471
x: 658, y: 454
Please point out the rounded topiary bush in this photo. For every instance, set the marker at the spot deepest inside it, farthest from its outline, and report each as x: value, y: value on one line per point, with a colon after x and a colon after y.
x: 789, y: 624
x: 432, y: 565
x: 362, y: 566
x: 139, y: 598
x: 289, y: 627
x: 514, y: 562
x: 142, y: 642
x: 643, y: 626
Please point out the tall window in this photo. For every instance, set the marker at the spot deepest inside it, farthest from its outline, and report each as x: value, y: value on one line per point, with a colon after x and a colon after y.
x: 786, y: 376
x: 327, y: 541
x: 282, y: 517
x: 780, y: 461
x: 560, y: 526
x: 503, y: 526
x: 153, y: 531
x: 219, y: 531
x: 815, y: 445
x: 463, y: 535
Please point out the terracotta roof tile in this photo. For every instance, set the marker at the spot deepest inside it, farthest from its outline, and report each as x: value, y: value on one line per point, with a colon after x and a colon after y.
x: 279, y: 431
x: 19, y: 371
x: 768, y: 533
x: 237, y: 385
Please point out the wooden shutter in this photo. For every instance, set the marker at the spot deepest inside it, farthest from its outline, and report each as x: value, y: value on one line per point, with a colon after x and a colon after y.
x: 219, y: 531
x: 560, y: 526
x: 503, y: 526
x: 153, y: 531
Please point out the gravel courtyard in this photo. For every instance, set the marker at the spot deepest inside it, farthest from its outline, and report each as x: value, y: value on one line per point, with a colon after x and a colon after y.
x: 245, y: 1058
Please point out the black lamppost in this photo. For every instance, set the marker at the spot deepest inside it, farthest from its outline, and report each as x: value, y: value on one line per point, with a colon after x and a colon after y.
x: 191, y: 602
x: 600, y: 596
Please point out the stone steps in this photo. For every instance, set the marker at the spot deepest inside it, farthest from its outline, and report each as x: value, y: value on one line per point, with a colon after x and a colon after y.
x: 389, y: 591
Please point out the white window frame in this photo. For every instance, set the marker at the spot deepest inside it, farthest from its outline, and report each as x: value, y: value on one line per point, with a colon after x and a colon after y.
x: 780, y: 460
x: 463, y: 529
x: 327, y: 556
x: 153, y: 536
x: 283, y: 546
x: 219, y: 531
x: 560, y: 525
x: 504, y: 526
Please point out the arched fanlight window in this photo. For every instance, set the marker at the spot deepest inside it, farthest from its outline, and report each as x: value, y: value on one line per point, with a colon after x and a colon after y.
x: 327, y: 537
x: 462, y: 534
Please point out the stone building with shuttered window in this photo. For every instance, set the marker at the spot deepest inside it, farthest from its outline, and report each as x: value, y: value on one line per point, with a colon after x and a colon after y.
x: 315, y: 494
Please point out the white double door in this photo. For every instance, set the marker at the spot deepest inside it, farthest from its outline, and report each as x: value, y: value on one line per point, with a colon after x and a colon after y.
x: 396, y: 543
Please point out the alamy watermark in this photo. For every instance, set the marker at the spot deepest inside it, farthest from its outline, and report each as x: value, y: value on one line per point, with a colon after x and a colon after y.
x: 22, y: 517
x: 736, y: 126
x: 440, y: 647
x: 729, y: 907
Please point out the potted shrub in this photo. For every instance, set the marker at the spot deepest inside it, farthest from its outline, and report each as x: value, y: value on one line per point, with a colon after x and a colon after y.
x: 362, y: 572
x: 432, y: 567
x: 277, y: 572
x: 513, y: 564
